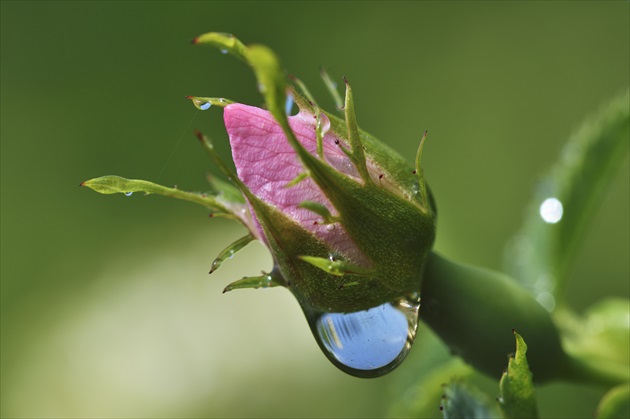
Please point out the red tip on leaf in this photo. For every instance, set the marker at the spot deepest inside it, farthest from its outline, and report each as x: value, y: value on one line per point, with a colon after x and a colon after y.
x: 194, y: 41
x: 188, y: 97
x: 345, y: 80
x: 82, y: 184
x: 198, y: 134
x: 513, y: 331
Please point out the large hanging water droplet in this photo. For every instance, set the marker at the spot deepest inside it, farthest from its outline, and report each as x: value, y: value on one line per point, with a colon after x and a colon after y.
x: 201, y: 104
x: 368, y: 343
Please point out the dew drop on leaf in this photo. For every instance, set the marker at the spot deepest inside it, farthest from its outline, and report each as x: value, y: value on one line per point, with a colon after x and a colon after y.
x: 128, y: 193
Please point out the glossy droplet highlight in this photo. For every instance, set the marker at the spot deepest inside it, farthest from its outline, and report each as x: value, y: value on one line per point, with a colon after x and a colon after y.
x: 288, y: 105
x: 368, y: 343
x: 201, y: 104
x: 128, y: 193
x: 224, y: 51
x: 551, y: 210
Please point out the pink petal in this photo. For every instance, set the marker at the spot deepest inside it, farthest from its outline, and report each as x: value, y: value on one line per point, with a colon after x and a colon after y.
x: 266, y: 162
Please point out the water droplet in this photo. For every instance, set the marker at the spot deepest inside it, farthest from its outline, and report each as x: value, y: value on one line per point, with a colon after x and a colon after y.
x: 367, y: 343
x: 224, y: 51
x: 288, y: 105
x: 202, y: 104
x: 551, y: 210
x: 330, y: 227
x: 128, y: 193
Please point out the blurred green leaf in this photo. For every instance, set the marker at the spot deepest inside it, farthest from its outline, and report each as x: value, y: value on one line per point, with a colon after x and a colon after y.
x: 463, y: 401
x: 517, y: 398
x: 423, y: 397
x: 599, y: 340
x: 566, y: 200
x: 615, y: 404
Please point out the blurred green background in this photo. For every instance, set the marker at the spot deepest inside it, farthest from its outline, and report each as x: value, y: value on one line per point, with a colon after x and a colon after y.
x: 107, y: 307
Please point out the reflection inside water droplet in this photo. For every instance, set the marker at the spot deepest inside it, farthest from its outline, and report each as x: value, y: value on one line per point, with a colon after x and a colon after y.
x: 367, y: 343
x: 201, y: 104
x: 288, y: 105
x: 128, y: 193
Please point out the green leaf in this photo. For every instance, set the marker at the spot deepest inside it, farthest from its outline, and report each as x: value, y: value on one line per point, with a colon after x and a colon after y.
x: 615, y: 403
x: 538, y: 256
x: 599, y: 341
x: 517, y: 398
x: 466, y: 402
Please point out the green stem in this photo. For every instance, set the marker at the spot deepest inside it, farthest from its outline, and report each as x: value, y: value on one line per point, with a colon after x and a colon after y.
x: 474, y: 311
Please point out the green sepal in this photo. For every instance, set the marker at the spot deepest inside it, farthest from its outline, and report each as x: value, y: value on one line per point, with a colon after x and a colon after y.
x: 116, y: 184
x: 331, y: 86
x: 303, y: 92
x: 319, y: 209
x: 226, y: 42
x: 336, y: 267
x: 263, y: 281
x: 306, y: 100
x: 398, y: 177
x: 420, y: 173
x: 615, y: 403
x: 461, y: 400
x: 230, y: 251
x: 356, y: 152
x: 224, y: 190
x: 299, y: 178
x: 200, y: 101
x: 517, y: 398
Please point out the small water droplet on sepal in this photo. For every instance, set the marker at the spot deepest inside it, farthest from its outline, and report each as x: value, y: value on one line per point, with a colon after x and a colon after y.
x: 128, y: 193
x: 201, y: 104
x: 368, y: 343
